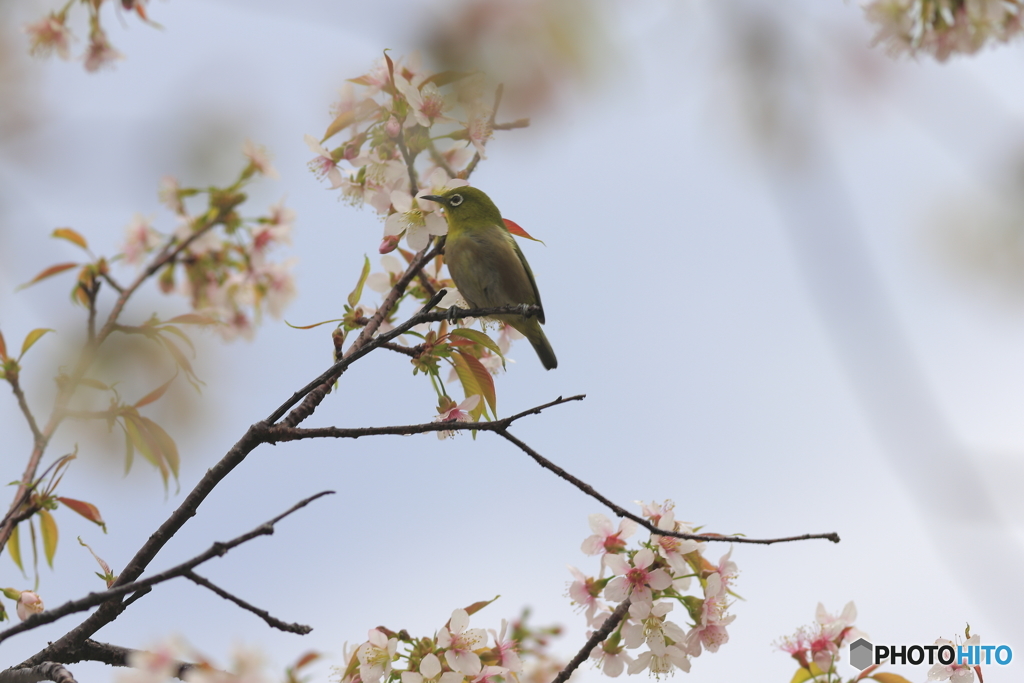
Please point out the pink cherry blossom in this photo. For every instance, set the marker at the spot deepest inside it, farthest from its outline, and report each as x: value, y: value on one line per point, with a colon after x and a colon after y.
x: 140, y: 239
x: 956, y: 672
x: 505, y: 650
x: 460, y: 641
x: 324, y: 164
x: 259, y: 158
x: 49, y: 35
x: 460, y: 413
x: 430, y: 672
x: 100, y: 53
x: 611, y: 660
x: 674, y: 549
x: 584, y: 591
x: 606, y: 538
x: 635, y: 580
x: 661, y: 659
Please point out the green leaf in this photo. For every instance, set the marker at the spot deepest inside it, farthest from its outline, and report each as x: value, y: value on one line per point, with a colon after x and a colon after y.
x: 477, y: 337
x: 484, y: 381
x: 14, y: 549
x: 357, y: 293
x: 31, y: 338
x: 309, y: 327
x: 3, y: 347
x: 49, y: 272
x: 129, y: 451
x: 191, y: 319
x: 470, y: 386
x: 71, y: 236
x: 48, y: 528
x: 144, y: 443
x: 168, y: 449
x: 801, y: 675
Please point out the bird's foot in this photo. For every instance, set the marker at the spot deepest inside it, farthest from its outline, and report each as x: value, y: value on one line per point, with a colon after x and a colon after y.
x: 453, y: 313
x: 524, y: 309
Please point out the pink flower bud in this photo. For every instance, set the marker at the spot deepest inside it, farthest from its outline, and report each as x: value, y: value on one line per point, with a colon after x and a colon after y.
x: 28, y: 604
x: 389, y: 243
x: 393, y: 127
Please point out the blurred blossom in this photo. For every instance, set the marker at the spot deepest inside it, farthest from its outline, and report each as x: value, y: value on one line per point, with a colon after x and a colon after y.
x: 101, y: 53
x: 943, y: 27
x: 533, y: 47
x: 48, y: 35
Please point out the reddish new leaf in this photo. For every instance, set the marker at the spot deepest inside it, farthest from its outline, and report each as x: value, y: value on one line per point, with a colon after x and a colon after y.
x: 87, y: 510
x: 155, y: 394
x: 71, y: 236
x: 49, y: 272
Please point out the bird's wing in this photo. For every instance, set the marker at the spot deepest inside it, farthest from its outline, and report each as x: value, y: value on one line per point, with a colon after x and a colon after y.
x: 529, y: 274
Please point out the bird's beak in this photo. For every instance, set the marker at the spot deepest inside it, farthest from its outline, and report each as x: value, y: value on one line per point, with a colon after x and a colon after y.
x: 433, y: 198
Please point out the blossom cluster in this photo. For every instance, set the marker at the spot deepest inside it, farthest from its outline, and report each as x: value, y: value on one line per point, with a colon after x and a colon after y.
x: 943, y: 27
x: 51, y: 34
x: 225, y: 273
x: 406, y: 132
x: 656, y: 577
x: 405, y: 123
x: 817, y: 647
x: 456, y: 653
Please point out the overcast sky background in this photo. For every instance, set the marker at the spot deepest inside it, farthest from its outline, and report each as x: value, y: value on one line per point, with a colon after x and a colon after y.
x: 784, y: 268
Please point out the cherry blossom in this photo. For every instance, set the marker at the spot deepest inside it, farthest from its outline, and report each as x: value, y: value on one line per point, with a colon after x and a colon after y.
x: 956, y: 672
x: 323, y: 165
x: 635, y: 580
x: 612, y: 660
x: 458, y: 641
x: 417, y: 225
x: 606, y: 538
x: 140, y: 239
x: 375, y: 656
x: 584, y: 591
x: 259, y: 159
x: 661, y: 659
x: 675, y: 549
x: 647, y: 623
x: 382, y: 282
x: 100, y: 53
x: 430, y: 672
x: 506, y: 650
x: 49, y: 35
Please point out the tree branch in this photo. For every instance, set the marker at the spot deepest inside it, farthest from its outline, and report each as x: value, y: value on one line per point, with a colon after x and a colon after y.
x: 121, y: 588
x: 609, y: 625
x: 273, y: 622
x: 47, y: 671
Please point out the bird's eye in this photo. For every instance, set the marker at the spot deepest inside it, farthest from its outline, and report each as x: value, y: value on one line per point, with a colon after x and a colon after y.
x: 455, y: 200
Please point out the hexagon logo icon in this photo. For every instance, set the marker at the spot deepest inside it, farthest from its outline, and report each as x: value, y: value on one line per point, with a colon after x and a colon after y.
x: 861, y: 654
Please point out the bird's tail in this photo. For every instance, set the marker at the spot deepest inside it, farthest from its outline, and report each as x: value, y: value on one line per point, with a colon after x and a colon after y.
x: 542, y: 346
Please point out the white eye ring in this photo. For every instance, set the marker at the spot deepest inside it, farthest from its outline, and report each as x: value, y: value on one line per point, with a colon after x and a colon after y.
x: 455, y: 200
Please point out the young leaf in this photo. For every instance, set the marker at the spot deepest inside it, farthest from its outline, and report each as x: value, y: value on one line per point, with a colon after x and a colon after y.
x: 129, y: 451
x: 357, y: 293
x: 343, y: 121
x: 145, y: 444
x: 514, y: 228
x: 479, y: 605
x: 48, y: 528
x: 14, y: 549
x: 94, y: 383
x: 309, y: 327
x: 87, y: 510
x: 3, y: 348
x: 155, y: 394
x: 163, y: 440
x: 483, y: 380
x: 191, y: 319
x: 49, y: 272
x: 31, y: 338
x: 71, y: 236
x: 477, y: 337
x: 887, y: 677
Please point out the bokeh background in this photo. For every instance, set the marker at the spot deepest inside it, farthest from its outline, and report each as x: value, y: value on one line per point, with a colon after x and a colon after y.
x: 787, y: 271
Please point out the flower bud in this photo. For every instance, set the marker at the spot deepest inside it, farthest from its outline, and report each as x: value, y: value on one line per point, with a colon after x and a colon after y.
x: 393, y: 127
x: 389, y: 243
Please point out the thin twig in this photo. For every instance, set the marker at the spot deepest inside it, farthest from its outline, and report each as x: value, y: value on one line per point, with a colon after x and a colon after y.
x: 280, y: 433
x: 622, y: 512
x: 12, y: 379
x: 122, y: 588
x: 273, y: 622
x: 609, y: 625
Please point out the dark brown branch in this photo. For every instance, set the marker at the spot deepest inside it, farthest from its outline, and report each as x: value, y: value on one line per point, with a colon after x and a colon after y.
x: 622, y: 512
x: 273, y: 622
x: 284, y: 433
x: 112, y: 282
x: 47, y: 671
x: 121, y: 588
x: 609, y: 625
x: 313, y: 393
x: 113, y: 655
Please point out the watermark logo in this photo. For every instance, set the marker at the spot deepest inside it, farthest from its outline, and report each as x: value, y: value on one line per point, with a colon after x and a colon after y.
x: 863, y: 654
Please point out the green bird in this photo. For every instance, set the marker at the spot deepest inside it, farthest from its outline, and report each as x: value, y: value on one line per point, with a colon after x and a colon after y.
x: 487, y: 266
